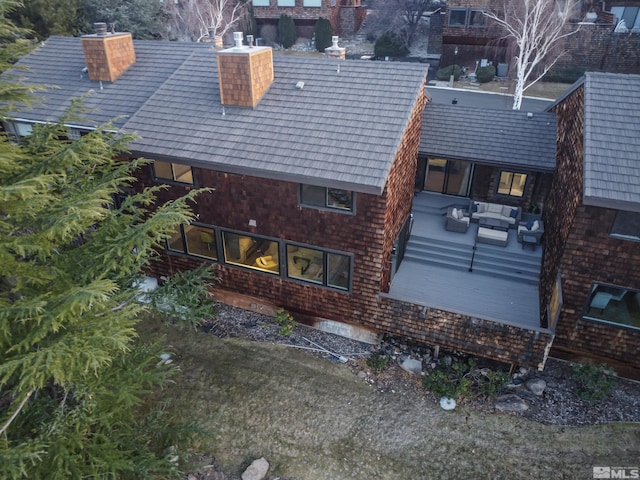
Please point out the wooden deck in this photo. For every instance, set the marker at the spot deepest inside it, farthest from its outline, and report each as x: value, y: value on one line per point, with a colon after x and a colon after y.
x: 487, y: 292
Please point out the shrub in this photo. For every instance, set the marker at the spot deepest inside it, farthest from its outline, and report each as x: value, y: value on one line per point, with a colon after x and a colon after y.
x: 389, y: 45
x: 594, y: 383
x: 445, y: 73
x: 323, y: 33
x: 286, y: 31
x: 563, y: 74
x: 465, y: 380
x: 377, y: 362
x: 268, y: 33
x: 285, y: 321
x: 486, y: 74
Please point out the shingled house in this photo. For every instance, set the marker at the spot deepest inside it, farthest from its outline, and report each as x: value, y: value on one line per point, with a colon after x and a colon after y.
x: 592, y: 256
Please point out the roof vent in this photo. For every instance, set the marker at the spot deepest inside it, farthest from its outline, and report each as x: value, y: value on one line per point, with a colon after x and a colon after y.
x: 334, y: 51
x: 237, y: 37
x: 100, y: 28
x: 300, y: 85
x: 529, y: 115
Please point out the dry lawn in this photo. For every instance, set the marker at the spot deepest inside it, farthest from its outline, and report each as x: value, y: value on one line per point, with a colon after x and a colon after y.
x: 313, y: 419
x: 548, y: 90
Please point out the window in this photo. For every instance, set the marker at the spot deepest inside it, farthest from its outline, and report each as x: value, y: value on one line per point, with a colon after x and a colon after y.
x: 458, y: 17
x: 512, y: 184
x: 195, y: 240
x: 312, y: 3
x: 320, y: 267
x: 626, y: 226
x: 630, y: 15
x: 323, y: 197
x: 477, y: 18
x: 612, y: 304
x: 73, y: 134
x: 250, y: 251
x: 172, y: 172
x: 260, y: 3
x: 286, y: 3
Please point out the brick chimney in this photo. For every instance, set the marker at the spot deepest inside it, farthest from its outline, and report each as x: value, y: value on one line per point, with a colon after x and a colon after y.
x: 108, y: 55
x: 245, y: 73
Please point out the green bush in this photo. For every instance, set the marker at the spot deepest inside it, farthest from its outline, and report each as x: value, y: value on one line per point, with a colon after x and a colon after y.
x: 285, y: 321
x: 594, y: 383
x: 377, y: 363
x: 323, y: 33
x: 486, y: 74
x: 287, y: 31
x: 389, y: 45
x: 465, y: 380
x: 445, y: 73
x: 563, y: 74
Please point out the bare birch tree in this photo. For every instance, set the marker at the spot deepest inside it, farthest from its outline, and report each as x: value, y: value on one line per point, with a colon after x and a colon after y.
x: 197, y: 20
x: 536, y: 29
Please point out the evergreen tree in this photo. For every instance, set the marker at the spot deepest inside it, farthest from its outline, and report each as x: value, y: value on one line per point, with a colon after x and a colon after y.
x: 72, y: 377
x: 49, y: 17
x: 145, y: 19
x: 323, y: 33
x: 287, y: 31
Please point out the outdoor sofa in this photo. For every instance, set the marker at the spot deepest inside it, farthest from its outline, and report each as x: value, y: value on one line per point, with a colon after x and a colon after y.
x: 486, y: 210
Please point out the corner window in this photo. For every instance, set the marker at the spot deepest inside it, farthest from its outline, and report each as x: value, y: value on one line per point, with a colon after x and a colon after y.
x: 194, y: 240
x: 172, y: 172
x: 458, y: 17
x: 477, y: 18
x: 630, y: 15
x: 318, y: 266
x: 626, y: 226
x: 322, y: 197
x: 512, y: 184
x: 253, y: 252
x: 612, y: 304
x: 312, y: 3
x: 286, y: 3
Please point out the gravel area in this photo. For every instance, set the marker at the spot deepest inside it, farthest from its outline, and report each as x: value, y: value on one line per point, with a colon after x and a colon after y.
x: 558, y: 405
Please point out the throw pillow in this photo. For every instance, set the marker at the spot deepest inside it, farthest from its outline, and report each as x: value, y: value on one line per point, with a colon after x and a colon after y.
x: 514, y: 213
x: 535, y: 226
x: 454, y: 212
x: 506, y: 211
x: 474, y: 208
x: 460, y: 214
x: 529, y: 225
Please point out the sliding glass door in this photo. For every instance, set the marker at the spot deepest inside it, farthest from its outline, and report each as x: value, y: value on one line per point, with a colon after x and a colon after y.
x: 452, y: 177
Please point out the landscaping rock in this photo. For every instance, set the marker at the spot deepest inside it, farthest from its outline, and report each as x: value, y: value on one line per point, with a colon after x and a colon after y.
x: 362, y: 374
x: 257, y: 470
x: 447, y: 403
x: 412, y: 366
x: 536, y: 386
x: 510, y: 403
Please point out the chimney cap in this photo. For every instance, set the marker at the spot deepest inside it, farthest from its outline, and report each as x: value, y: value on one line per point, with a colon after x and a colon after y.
x: 100, y: 28
x: 238, y: 38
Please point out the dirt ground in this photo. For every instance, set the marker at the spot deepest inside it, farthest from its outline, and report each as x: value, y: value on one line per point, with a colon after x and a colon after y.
x: 314, y: 419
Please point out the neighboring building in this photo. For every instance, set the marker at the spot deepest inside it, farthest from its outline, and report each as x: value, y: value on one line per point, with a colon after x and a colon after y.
x: 345, y: 16
x: 592, y: 256
x: 333, y: 187
x: 469, y: 37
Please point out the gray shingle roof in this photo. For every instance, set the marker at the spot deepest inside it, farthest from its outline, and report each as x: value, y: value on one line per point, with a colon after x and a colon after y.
x: 612, y: 141
x: 490, y: 137
x: 342, y: 129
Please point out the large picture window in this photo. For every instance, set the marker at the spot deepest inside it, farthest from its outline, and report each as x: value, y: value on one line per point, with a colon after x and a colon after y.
x: 612, y: 304
x: 458, y: 17
x: 250, y: 251
x: 323, y: 197
x: 196, y: 240
x: 512, y: 184
x: 172, y: 172
x: 318, y: 266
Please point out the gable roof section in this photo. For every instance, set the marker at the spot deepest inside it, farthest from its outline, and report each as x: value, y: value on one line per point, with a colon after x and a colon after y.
x: 59, y: 62
x: 342, y: 129
x: 612, y: 141
x: 508, y: 138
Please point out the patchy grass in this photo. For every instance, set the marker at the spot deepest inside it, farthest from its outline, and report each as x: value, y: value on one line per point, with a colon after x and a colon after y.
x: 313, y: 419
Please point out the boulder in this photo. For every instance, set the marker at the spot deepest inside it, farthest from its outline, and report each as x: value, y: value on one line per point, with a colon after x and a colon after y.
x: 412, y: 366
x: 510, y: 403
x: 536, y: 386
x: 257, y: 470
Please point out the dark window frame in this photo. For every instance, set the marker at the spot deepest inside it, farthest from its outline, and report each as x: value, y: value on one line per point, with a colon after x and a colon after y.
x: 471, y: 16
x: 622, y: 235
x: 618, y: 294
x: 185, y: 250
x: 223, y: 260
x: 458, y: 10
x: 514, y: 173
x: 172, y: 181
x: 326, y: 205
x: 325, y: 261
